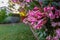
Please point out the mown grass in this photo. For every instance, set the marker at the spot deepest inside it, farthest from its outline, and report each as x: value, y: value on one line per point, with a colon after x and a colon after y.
x: 15, y: 32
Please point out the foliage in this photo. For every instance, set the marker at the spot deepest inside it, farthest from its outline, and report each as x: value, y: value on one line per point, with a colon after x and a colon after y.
x: 10, y: 14
x: 2, y: 15
x: 32, y: 5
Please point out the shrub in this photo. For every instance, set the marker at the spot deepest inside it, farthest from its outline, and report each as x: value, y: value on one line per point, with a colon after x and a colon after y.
x: 2, y: 15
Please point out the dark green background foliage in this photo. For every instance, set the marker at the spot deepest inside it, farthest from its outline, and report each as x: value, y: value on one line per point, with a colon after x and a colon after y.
x: 2, y: 15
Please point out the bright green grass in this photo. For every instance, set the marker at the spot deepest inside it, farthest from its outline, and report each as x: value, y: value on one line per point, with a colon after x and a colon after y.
x: 15, y: 32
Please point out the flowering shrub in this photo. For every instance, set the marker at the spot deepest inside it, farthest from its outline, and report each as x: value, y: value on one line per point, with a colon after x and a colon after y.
x: 46, y: 20
x: 36, y: 18
x: 44, y: 17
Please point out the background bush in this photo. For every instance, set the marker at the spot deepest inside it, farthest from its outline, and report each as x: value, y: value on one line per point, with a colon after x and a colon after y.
x: 2, y: 15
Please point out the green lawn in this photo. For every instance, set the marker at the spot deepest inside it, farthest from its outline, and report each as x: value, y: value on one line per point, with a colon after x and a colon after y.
x: 15, y: 32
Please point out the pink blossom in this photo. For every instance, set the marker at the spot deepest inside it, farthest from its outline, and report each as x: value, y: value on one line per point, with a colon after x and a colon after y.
x: 48, y: 37
x: 45, y: 9
x: 38, y: 15
x: 32, y: 19
x: 53, y: 24
x: 25, y: 21
x: 55, y: 38
x: 36, y: 8
x: 30, y: 13
x: 32, y: 23
x: 51, y: 15
x: 14, y: 1
x: 48, y: 8
x: 40, y: 24
x: 36, y: 26
x: 28, y: 0
x: 58, y: 32
x: 52, y: 8
x: 57, y: 13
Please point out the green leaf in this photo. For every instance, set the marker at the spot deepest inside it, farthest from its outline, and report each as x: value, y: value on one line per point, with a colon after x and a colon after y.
x: 33, y: 4
x: 41, y: 34
x: 36, y: 3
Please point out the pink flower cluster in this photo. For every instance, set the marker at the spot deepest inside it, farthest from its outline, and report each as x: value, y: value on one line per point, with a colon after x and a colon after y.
x: 56, y: 15
x: 52, y: 15
x: 58, y: 33
x: 48, y: 9
x: 28, y: 0
x: 54, y: 24
x: 35, y: 18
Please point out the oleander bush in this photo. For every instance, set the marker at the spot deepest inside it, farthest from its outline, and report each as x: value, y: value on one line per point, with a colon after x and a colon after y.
x: 45, y: 19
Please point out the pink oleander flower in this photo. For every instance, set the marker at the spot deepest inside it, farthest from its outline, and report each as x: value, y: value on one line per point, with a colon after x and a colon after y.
x: 31, y: 19
x: 25, y: 21
x: 57, y: 13
x: 51, y: 15
x: 35, y: 13
x: 57, y: 16
x: 58, y: 32
x: 48, y: 9
x: 48, y: 37
x: 55, y: 38
x: 53, y: 24
x: 32, y: 23
x: 38, y: 15
x: 52, y: 8
x: 37, y: 26
x: 30, y: 13
x: 14, y: 1
x: 36, y: 8
x: 28, y: 0
x: 45, y: 9
x: 40, y: 24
